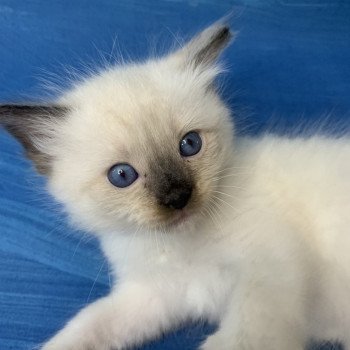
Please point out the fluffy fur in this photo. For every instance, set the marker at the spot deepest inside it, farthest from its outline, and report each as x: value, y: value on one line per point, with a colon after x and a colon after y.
x: 263, y: 245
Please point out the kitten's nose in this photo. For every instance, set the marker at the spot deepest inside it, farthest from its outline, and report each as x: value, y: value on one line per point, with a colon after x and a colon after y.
x: 178, y: 198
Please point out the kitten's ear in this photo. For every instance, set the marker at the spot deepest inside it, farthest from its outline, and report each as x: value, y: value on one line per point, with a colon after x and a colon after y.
x: 33, y: 126
x: 204, y: 49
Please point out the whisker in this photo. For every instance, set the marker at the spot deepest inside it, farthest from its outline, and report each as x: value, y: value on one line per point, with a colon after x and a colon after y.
x: 223, y: 193
x: 216, y: 213
x: 93, y: 285
x: 220, y: 199
x: 156, y: 240
x: 216, y: 178
x: 230, y: 168
x: 109, y: 278
x: 210, y: 215
x: 232, y: 186
x: 124, y: 259
x: 162, y: 234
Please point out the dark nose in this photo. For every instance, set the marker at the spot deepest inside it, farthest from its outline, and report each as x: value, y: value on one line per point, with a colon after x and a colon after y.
x: 177, y: 198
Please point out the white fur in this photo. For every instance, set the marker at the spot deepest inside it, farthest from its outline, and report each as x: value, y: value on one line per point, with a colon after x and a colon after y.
x: 265, y: 253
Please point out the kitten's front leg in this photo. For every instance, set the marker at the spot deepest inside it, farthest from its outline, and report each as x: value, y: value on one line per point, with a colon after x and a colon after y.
x: 261, y: 318
x: 131, y: 316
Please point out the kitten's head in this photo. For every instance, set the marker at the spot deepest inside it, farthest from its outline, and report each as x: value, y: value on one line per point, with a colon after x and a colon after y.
x: 139, y: 144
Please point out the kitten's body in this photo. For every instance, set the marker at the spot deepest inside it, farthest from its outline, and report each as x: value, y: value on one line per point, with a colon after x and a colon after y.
x: 284, y: 234
x: 262, y: 247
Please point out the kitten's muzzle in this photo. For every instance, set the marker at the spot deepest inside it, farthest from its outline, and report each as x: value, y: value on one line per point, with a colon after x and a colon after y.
x: 171, y: 182
x: 177, y: 198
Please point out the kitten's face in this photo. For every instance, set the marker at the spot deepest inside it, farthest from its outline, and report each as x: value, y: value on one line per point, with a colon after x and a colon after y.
x: 136, y: 117
x: 139, y: 116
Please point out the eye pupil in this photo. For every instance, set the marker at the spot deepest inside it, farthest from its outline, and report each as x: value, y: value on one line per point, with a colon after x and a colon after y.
x: 190, y: 144
x: 122, y: 175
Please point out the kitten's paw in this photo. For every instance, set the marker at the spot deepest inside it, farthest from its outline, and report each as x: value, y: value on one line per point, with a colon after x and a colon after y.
x: 214, y: 342
x: 57, y: 345
x: 82, y: 341
x: 223, y: 342
x: 74, y: 343
x: 63, y: 345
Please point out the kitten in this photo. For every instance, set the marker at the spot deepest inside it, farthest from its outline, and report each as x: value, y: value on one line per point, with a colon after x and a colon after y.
x: 253, y: 233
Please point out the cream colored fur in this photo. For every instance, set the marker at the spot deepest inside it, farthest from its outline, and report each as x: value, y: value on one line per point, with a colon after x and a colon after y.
x: 265, y: 250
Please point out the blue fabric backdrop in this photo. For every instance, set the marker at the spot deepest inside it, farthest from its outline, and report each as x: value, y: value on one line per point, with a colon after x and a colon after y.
x: 290, y: 62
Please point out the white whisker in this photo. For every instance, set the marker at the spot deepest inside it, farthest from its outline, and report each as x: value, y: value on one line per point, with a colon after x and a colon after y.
x: 229, y: 175
x: 93, y: 285
x: 220, y: 199
x: 231, y: 186
x: 223, y: 193
x: 230, y: 168
x: 215, y: 210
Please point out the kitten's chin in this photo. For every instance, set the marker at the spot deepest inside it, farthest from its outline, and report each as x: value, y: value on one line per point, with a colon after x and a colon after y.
x: 180, y: 220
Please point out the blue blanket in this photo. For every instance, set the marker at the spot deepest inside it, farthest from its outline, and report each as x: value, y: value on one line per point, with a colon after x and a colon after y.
x: 290, y: 63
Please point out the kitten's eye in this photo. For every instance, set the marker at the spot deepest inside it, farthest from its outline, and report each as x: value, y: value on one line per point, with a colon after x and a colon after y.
x: 122, y: 175
x: 190, y: 144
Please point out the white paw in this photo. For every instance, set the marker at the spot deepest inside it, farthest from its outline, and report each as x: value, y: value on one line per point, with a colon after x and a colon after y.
x: 215, y: 342
x: 209, y: 344
x: 66, y: 342
x: 57, y: 344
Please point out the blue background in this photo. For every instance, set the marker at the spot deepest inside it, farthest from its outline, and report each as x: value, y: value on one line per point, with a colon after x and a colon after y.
x: 290, y: 64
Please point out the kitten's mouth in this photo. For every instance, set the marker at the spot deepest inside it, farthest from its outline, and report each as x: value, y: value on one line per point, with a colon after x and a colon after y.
x: 179, y: 218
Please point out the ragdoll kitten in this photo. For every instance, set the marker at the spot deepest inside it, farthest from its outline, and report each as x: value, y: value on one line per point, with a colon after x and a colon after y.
x: 253, y: 233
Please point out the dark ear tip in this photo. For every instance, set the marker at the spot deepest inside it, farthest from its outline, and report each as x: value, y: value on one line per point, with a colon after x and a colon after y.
x: 24, y: 122
x: 225, y: 33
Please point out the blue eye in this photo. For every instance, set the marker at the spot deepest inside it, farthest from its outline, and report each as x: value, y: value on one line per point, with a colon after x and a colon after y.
x: 190, y: 144
x: 122, y: 175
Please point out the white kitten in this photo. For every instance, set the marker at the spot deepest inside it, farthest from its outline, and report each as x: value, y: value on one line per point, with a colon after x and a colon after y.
x: 251, y: 233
